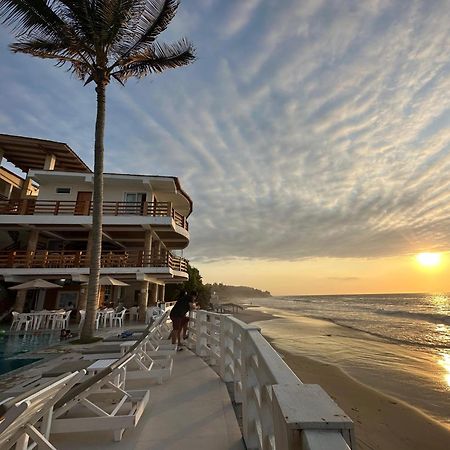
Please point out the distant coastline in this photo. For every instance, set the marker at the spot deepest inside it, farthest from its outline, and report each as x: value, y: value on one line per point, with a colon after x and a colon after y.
x: 228, y: 293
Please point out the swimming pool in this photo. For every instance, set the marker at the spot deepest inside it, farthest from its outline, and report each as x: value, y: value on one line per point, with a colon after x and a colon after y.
x: 14, y: 347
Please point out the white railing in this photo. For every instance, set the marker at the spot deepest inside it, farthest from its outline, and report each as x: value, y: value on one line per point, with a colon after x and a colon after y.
x: 279, y: 412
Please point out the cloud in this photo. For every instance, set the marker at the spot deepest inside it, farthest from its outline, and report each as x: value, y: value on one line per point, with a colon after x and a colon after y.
x: 312, y: 129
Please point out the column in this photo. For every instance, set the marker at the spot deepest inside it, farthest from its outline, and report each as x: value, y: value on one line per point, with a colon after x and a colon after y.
x: 82, y: 299
x: 147, y: 248
x: 50, y: 161
x: 32, y: 240
x: 32, y: 244
x: 161, y: 293
x: 153, y: 294
x: 143, y: 300
x: 19, y: 303
x: 26, y: 186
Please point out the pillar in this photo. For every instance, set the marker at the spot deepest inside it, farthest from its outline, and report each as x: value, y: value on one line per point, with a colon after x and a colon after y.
x: 32, y: 244
x: 82, y: 299
x: 161, y: 292
x: 32, y: 240
x: 143, y: 300
x: 50, y: 161
x: 26, y: 186
x: 153, y: 294
x: 19, y: 303
x: 147, y: 248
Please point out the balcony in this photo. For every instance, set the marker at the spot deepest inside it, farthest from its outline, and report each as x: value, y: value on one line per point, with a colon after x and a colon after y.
x: 84, y: 208
x: 79, y: 259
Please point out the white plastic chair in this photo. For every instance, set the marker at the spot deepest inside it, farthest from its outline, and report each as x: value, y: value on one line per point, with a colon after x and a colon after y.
x: 20, y: 320
x: 82, y: 318
x: 62, y: 320
x: 134, y: 313
x: 119, y: 318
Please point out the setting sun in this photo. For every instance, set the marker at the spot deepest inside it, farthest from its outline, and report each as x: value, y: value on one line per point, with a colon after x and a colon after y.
x: 429, y: 259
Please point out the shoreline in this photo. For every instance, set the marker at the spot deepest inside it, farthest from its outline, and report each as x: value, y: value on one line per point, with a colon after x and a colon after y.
x: 381, y: 421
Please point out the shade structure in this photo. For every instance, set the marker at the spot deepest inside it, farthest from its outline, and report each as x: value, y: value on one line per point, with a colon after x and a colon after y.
x: 110, y: 281
x: 38, y: 283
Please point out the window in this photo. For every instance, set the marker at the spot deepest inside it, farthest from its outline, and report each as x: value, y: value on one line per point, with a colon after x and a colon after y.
x: 63, y: 190
x: 136, y: 202
x: 135, y: 197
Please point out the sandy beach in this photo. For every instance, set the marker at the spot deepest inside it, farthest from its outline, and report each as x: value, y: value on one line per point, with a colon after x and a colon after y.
x: 381, y: 421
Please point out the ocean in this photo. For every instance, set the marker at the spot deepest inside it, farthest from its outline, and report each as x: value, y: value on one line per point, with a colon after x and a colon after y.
x: 398, y: 344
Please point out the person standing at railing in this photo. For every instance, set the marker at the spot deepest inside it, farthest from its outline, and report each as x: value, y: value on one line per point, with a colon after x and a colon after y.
x: 179, y: 319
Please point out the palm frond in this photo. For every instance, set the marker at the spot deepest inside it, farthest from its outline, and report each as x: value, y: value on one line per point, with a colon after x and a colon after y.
x: 57, y: 51
x: 27, y: 16
x: 155, y: 59
x: 154, y: 18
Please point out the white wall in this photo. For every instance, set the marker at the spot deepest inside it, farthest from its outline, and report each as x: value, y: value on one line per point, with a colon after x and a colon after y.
x: 113, y: 192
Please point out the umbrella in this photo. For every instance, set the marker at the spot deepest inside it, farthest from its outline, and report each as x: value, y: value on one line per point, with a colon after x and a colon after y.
x: 110, y: 281
x: 38, y: 283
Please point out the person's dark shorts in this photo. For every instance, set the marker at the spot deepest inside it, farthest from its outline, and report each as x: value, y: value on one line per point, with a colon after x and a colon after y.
x: 178, y: 322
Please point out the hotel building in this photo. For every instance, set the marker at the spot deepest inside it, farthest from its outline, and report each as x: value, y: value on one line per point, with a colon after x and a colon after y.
x: 46, y: 220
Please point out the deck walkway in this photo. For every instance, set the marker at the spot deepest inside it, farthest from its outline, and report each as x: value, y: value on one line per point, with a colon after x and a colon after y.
x: 191, y: 410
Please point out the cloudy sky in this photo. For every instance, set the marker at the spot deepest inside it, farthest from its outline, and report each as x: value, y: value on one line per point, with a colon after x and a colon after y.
x: 312, y: 135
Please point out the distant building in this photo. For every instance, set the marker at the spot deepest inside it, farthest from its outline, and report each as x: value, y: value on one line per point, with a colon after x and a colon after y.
x: 46, y: 218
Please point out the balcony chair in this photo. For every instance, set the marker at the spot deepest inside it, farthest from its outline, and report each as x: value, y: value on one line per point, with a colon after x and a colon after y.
x: 20, y: 320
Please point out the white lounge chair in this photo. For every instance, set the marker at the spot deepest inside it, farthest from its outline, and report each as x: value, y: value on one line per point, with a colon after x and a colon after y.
x: 28, y: 417
x: 101, y: 402
x: 19, y: 321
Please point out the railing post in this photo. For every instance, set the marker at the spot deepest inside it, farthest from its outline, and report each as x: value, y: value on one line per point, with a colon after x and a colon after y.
x: 200, y: 325
x: 226, y: 363
x: 249, y: 383
x: 299, y: 408
x: 56, y: 211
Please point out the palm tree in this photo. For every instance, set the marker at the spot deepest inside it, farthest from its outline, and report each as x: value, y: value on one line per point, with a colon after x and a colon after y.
x: 98, y: 40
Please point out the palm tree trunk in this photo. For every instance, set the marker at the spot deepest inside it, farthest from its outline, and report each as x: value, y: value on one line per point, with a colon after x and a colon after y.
x: 97, y: 217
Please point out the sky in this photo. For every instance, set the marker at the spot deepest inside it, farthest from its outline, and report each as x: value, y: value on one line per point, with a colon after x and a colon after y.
x: 313, y: 137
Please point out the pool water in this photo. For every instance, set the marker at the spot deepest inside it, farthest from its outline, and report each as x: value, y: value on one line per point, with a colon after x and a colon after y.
x: 13, y: 348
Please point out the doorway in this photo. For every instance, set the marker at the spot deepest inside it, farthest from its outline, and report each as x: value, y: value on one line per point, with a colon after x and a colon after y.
x: 83, y: 205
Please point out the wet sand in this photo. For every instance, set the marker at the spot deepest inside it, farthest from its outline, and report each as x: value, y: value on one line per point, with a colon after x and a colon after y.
x: 381, y: 422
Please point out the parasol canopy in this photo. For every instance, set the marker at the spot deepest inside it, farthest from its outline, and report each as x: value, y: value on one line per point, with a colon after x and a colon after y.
x: 110, y: 281
x: 38, y: 283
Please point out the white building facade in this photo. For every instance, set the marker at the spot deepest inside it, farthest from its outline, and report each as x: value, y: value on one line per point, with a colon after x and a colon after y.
x: 46, y: 219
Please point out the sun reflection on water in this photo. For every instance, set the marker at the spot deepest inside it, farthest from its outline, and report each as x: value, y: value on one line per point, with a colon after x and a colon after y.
x: 445, y: 363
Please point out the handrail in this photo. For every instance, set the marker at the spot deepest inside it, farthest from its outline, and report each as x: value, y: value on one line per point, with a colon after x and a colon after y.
x: 77, y: 259
x: 84, y: 208
x: 278, y: 410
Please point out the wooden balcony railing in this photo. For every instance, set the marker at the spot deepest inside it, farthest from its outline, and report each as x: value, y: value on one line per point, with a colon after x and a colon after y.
x: 84, y: 208
x: 68, y: 259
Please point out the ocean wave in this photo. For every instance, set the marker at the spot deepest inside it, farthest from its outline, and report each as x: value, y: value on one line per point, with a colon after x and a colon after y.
x: 386, y: 337
x: 428, y: 317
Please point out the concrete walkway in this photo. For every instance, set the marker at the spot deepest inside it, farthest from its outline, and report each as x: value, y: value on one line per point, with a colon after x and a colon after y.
x: 191, y: 410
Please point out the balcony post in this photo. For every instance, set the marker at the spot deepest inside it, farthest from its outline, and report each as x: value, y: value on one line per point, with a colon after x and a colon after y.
x: 147, y: 247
